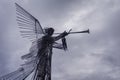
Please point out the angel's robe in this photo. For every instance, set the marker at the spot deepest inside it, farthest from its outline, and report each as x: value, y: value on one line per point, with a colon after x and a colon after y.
x: 45, y: 46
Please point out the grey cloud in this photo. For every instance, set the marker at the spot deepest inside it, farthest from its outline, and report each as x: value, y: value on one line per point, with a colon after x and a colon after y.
x: 97, y: 51
x: 5, y: 18
x: 113, y: 36
x: 107, y: 38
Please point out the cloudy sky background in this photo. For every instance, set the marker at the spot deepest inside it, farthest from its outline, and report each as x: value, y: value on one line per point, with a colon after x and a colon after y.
x: 93, y: 56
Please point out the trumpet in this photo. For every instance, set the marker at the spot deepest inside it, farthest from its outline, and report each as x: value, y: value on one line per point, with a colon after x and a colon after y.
x: 85, y: 31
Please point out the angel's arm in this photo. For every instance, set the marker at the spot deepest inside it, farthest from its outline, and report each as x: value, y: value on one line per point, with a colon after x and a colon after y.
x: 62, y: 35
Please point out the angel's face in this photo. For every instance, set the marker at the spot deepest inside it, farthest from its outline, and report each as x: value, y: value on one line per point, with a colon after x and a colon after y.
x: 49, y: 31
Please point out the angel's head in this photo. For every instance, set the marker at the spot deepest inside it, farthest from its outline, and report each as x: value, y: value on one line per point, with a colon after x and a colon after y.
x: 49, y: 31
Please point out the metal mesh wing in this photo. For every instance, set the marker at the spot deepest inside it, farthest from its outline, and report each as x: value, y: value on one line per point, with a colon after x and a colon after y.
x: 29, y: 25
x: 23, y: 72
x: 20, y: 74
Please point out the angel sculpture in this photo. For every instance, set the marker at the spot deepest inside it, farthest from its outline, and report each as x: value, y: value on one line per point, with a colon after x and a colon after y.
x: 38, y: 60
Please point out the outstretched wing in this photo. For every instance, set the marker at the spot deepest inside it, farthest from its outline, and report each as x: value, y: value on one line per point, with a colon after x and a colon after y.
x: 29, y: 25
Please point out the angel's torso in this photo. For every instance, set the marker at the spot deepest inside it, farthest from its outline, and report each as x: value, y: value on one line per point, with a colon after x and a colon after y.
x: 45, y: 44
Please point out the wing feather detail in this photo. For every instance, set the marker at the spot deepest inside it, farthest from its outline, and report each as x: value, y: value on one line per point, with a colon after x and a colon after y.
x: 29, y: 25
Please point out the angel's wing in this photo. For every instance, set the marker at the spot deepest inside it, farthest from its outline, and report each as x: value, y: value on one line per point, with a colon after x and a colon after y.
x: 23, y: 72
x: 20, y: 74
x: 29, y: 25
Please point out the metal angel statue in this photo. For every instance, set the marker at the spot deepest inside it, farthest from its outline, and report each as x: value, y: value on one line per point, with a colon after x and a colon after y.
x: 38, y: 60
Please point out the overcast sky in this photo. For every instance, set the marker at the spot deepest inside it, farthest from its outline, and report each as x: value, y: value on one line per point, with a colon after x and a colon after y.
x: 93, y: 56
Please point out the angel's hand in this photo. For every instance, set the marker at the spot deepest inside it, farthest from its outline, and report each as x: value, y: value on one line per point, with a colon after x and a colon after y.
x: 65, y: 33
x: 69, y: 31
